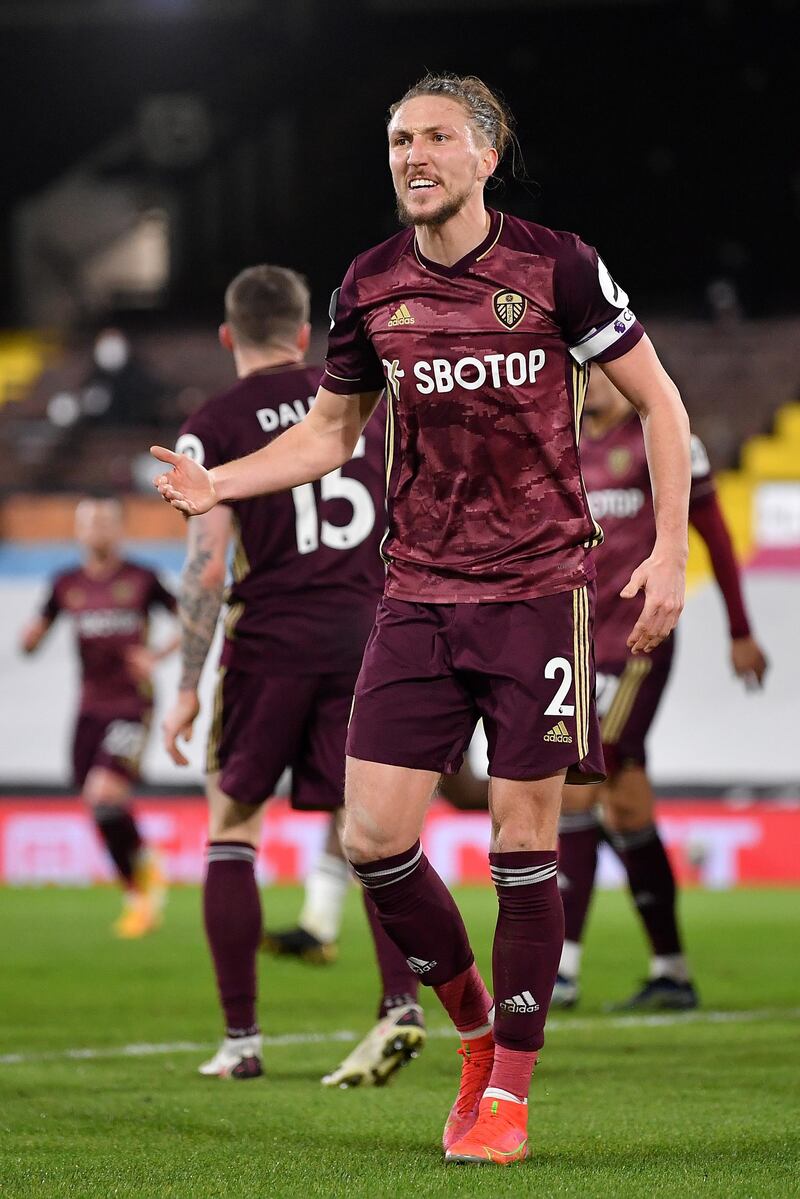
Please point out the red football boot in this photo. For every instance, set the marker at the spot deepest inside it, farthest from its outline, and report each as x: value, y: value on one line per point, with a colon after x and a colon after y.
x: 476, y: 1067
x: 498, y: 1137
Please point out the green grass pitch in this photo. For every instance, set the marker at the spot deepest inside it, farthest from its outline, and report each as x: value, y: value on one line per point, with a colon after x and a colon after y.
x: 705, y: 1106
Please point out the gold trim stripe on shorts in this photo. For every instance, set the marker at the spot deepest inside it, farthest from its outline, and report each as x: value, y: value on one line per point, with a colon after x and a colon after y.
x: 580, y: 658
x: 617, y: 715
x: 241, y: 565
x: 215, y: 731
x: 232, y: 618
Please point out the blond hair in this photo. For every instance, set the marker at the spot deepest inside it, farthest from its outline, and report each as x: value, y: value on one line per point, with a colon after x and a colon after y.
x: 488, y: 111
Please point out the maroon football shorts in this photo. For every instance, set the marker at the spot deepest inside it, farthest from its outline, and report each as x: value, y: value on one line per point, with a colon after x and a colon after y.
x: 431, y: 671
x: 628, y: 694
x: 115, y: 742
x: 264, y: 723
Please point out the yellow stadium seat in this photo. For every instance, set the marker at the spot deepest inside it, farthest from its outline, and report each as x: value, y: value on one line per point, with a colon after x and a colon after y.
x: 23, y: 357
x: 771, y: 458
x: 787, y: 423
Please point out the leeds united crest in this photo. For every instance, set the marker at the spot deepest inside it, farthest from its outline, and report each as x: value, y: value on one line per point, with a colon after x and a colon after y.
x: 509, y: 308
x: 619, y: 460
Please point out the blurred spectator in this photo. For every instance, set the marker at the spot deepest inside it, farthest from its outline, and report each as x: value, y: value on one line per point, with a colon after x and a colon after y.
x: 120, y: 390
x: 723, y: 301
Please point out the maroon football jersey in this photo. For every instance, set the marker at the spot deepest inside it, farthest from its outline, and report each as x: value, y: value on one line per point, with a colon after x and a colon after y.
x: 307, y: 570
x: 110, y: 616
x: 621, y: 499
x: 486, y: 365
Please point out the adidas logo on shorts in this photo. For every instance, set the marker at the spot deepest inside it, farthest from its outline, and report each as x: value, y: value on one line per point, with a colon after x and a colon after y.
x: 559, y: 732
x: 520, y: 1005
x: 419, y: 965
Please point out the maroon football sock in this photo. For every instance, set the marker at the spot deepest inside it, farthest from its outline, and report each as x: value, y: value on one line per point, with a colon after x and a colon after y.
x: 467, y: 1002
x: 117, y: 827
x: 512, y: 1071
x: 419, y: 914
x: 579, y: 836
x: 398, y: 984
x: 527, y: 945
x: 232, y: 913
x: 652, y: 886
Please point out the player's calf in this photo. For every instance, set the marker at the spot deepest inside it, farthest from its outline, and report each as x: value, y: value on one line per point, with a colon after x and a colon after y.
x: 232, y: 917
x: 579, y: 837
x: 652, y: 884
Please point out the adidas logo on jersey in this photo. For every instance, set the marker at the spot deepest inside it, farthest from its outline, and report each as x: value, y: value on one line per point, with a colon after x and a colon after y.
x: 560, y: 733
x: 520, y: 1005
x: 401, y: 317
x: 419, y: 965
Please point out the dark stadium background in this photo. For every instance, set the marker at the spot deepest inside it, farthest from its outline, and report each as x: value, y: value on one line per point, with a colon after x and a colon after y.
x: 662, y: 130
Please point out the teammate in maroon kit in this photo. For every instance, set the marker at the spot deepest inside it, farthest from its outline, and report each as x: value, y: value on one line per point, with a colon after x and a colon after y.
x: 482, y: 327
x: 110, y: 600
x: 628, y: 693
x: 307, y: 577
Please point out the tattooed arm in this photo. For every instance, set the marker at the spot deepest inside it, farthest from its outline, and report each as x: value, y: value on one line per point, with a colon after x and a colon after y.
x: 201, y: 590
x: 199, y: 602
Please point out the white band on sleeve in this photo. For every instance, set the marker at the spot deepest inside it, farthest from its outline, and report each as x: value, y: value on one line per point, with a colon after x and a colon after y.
x: 598, y: 340
x: 700, y: 463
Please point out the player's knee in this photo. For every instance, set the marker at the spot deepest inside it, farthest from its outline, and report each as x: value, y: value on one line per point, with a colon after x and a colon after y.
x: 512, y: 833
x: 618, y: 820
x: 359, y: 846
x: 232, y: 821
x: 525, y: 815
x: 364, y: 841
x: 103, y: 788
x: 626, y: 812
x: 578, y: 799
x: 333, y: 837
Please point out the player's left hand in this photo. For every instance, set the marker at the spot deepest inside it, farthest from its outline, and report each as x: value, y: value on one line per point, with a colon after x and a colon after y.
x: 141, y: 662
x: 749, y: 662
x: 663, y: 580
x: 178, y: 723
x: 188, y: 486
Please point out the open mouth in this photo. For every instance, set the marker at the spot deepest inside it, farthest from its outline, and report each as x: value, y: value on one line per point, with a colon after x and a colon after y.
x: 421, y: 184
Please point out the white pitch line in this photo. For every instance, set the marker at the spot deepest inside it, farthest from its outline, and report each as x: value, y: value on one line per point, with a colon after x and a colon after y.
x: 558, y: 1024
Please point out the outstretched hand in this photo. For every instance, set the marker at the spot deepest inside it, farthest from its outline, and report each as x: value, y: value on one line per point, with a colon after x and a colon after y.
x: 663, y: 581
x: 187, y: 486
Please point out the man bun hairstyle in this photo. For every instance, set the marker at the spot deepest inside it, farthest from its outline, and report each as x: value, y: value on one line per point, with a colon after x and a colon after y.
x: 489, y: 112
x: 266, y: 304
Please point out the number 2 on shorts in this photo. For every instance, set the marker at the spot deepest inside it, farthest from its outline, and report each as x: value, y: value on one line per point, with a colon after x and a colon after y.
x: 557, y: 707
